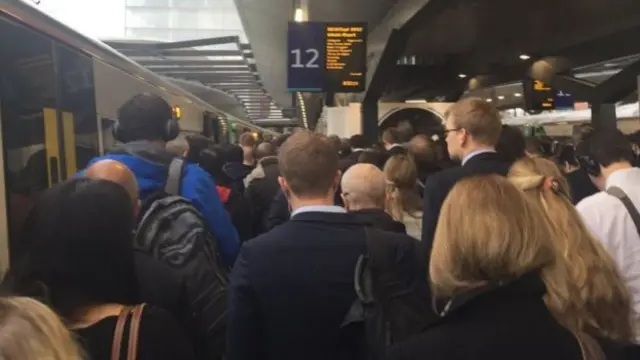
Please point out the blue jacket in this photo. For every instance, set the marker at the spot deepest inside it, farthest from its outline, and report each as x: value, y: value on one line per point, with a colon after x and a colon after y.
x: 150, y: 162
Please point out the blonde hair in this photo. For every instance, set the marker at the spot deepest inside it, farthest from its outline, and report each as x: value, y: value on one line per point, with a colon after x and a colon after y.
x: 401, y: 174
x: 31, y: 331
x: 478, y: 117
x: 498, y: 237
x: 593, y: 297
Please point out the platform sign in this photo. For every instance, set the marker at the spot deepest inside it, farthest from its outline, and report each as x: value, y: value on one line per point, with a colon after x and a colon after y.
x: 326, y: 57
x: 306, y: 56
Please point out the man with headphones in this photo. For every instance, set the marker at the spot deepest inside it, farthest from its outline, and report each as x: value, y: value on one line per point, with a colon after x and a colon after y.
x: 145, y: 124
x: 612, y: 214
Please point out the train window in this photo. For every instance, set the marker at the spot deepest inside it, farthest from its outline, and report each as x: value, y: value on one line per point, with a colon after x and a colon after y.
x: 30, y: 139
x: 78, y: 109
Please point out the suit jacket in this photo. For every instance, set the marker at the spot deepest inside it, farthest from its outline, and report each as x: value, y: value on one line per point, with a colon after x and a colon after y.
x: 292, y: 287
x: 438, y: 185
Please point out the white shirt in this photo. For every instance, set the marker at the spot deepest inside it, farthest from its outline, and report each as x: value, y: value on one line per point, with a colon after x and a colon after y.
x: 319, y: 208
x: 610, y: 222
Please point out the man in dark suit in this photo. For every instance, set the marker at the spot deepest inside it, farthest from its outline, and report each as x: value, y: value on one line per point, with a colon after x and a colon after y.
x: 472, y: 130
x: 291, y: 288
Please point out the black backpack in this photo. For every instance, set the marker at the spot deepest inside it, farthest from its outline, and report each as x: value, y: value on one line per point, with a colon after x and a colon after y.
x: 174, y: 232
x: 393, y: 302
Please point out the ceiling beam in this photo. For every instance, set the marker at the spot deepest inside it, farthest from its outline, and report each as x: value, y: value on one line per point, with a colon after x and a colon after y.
x: 183, y: 63
x: 119, y: 45
x: 178, y: 53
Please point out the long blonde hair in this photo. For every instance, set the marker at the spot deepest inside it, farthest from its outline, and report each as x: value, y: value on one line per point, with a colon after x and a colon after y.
x: 31, y: 331
x: 498, y: 237
x: 594, y: 298
x: 401, y: 174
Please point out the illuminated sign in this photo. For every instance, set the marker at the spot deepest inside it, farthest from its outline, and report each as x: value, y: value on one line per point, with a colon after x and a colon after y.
x: 538, y: 96
x: 326, y: 57
x: 346, y: 58
x: 544, y: 96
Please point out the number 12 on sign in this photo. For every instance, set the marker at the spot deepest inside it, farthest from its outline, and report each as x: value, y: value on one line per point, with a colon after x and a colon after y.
x: 308, y: 61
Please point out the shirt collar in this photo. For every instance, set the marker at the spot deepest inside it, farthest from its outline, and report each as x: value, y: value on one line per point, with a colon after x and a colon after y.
x: 319, y: 208
x: 622, y: 177
x: 474, y: 153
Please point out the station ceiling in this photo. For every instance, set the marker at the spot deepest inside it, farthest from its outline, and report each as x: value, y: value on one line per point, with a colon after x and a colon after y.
x: 265, y: 24
x: 483, y: 40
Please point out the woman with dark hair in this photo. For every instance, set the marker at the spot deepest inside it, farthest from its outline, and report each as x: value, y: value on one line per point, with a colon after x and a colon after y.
x: 77, y: 257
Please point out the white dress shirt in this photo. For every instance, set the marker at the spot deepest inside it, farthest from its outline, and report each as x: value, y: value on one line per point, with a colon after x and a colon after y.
x: 611, y: 223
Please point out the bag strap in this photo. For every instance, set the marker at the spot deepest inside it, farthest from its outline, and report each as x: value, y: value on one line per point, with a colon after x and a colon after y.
x: 371, y: 266
x: 174, y: 177
x: 134, y: 331
x: 628, y: 204
x: 118, y: 333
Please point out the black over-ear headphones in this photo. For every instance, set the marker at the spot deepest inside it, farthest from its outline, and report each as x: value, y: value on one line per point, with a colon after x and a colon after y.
x: 171, y: 131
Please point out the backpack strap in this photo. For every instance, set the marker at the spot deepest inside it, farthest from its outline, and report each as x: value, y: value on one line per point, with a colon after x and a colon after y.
x: 628, y: 204
x: 376, y: 260
x: 174, y: 178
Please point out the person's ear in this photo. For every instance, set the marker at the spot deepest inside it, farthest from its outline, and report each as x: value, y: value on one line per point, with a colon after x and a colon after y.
x: 344, y: 202
x: 285, y: 187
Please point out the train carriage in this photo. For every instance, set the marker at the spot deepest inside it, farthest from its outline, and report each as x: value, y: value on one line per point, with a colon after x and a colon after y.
x: 59, y: 95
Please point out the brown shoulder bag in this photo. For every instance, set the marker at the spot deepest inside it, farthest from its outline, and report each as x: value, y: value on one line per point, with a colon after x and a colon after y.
x: 134, y: 328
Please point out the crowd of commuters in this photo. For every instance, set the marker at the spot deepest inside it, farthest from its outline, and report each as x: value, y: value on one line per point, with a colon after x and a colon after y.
x: 479, y: 243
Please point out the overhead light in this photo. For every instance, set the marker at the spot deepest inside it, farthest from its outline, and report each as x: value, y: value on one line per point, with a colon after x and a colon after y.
x: 517, y: 94
x: 500, y: 97
x: 489, y: 100
x: 298, y: 16
x: 416, y: 101
x: 462, y: 76
x: 524, y: 57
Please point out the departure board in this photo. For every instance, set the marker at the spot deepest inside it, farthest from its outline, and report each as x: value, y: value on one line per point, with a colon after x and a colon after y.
x: 544, y: 95
x: 346, y: 58
x: 538, y: 96
x: 326, y: 57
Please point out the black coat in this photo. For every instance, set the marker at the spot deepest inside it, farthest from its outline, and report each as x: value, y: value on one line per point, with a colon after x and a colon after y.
x: 438, y: 185
x: 292, y: 287
x: 261, y: 189
x: 501, y: 323
x: 379, y: 219
x: 279, y: 211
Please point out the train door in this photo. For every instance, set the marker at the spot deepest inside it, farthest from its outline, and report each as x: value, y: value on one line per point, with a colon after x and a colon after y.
x: 30, y: 139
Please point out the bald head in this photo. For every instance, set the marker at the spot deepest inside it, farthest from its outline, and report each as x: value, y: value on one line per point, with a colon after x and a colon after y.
x: 265, y: 149
x: 363, y: 187
x: 118, y: 173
